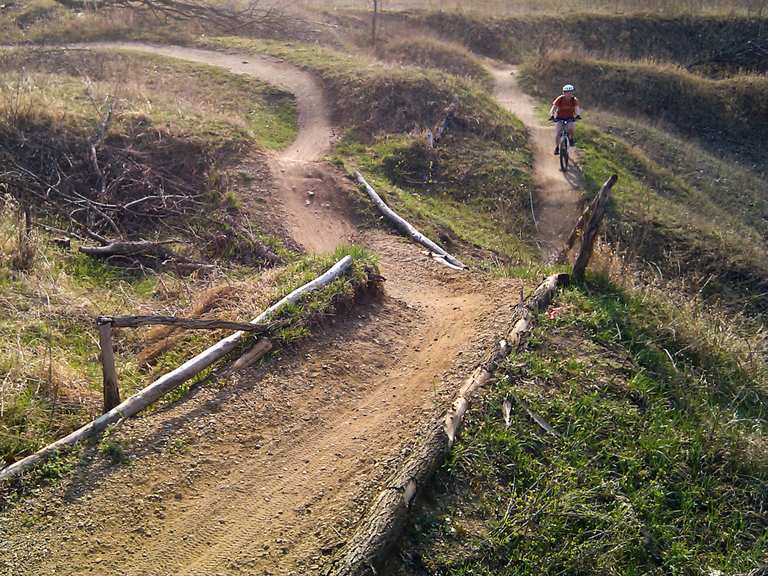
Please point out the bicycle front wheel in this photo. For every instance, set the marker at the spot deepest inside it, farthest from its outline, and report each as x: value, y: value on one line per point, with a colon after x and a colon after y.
x: 564, y: 157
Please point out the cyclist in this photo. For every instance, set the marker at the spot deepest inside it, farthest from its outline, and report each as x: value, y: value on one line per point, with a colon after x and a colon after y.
x: 565, y: 107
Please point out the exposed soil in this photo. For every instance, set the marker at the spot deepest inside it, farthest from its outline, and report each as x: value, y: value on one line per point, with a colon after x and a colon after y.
x: 557, y: 205
x: 268, y: 473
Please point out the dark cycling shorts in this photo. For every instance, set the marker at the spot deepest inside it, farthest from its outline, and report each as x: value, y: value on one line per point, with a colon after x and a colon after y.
x: 571, y: 119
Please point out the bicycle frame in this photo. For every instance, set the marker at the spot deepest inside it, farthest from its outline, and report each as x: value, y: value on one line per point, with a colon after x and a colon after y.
x: 564, y: 134
x: 564, y: 157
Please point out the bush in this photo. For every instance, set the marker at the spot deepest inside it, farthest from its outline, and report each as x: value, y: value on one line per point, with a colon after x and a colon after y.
x: 433, y: 53
x: 682, y: 39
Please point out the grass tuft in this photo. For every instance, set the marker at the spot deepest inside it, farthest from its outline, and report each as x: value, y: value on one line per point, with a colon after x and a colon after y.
x: 429, y: 52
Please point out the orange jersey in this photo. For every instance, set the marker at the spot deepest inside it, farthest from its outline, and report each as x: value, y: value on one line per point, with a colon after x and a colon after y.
x: 566, y: 107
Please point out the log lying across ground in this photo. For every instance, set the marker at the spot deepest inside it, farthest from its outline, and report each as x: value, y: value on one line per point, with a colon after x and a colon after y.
x: 407, y: 228
x: 129, y: 248
x: 378, y: 532
x: 188, y: 323
x: 173, y: 379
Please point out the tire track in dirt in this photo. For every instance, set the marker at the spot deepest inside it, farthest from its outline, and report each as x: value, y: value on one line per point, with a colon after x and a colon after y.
x: 558, y: 201
x: 268, y: 473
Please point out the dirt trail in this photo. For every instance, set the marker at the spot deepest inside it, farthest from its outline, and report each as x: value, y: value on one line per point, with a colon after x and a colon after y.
x: 268, y: 473
x: 558, y: 203
x: 316, y: 222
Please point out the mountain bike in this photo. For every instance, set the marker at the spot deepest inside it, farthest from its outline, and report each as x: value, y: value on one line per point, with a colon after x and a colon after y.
x: 564, y: 143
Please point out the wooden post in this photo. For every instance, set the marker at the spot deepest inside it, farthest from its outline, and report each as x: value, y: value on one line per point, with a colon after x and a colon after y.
x: 442, y: 125
x: 590, y: 230
x: 111, y: 386
x: 562, y: 256
x: 375, y: 21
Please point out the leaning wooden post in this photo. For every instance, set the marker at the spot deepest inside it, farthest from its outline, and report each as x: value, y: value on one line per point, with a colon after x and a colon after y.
x: 111, y: 386
x: 562, y: 256
x: 590, y: 230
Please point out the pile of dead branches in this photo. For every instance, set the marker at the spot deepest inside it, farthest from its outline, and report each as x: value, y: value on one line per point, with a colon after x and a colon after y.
x: 212, y: 16
x: 119, y: 188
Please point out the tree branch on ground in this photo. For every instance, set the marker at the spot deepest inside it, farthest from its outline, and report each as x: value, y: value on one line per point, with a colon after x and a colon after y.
x: 253, y: 17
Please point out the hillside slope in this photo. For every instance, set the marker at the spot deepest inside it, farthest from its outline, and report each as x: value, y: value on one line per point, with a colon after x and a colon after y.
x: 655, y: 462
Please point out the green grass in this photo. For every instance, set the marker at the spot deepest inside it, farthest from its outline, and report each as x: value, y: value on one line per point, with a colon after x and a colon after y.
x: 112, y: 448
x: 658, y: 467
x: 326, y: 302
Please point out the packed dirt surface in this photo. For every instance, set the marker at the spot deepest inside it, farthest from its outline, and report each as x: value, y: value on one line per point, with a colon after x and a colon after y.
x: 268, y: 472
x: 557, y: 205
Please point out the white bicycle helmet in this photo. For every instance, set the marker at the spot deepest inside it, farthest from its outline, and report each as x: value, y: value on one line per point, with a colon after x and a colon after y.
x: 568, y: 88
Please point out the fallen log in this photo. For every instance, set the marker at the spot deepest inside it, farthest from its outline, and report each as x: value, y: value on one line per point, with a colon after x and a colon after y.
x: 591, y: 228
x: 173, y: 379
x: 128, y: 248
x: 190, y: 323
x: 367, y: 550
x: 406, y: 226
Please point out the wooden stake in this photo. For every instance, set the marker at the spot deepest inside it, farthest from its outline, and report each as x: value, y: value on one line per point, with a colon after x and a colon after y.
x: 442, y: 125
x: 591, y: 228
x: 111, y: 386
x: 374, y: 22
x: 259, y: 350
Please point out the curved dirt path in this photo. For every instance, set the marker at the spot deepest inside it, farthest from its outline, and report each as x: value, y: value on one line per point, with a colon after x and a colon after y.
x: 268, y: 473
x: 315, y: 222
x: 558, y: 202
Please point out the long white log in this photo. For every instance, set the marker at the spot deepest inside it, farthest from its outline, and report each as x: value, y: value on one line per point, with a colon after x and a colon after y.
x: 406, y: 227
x: 173, y: 379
